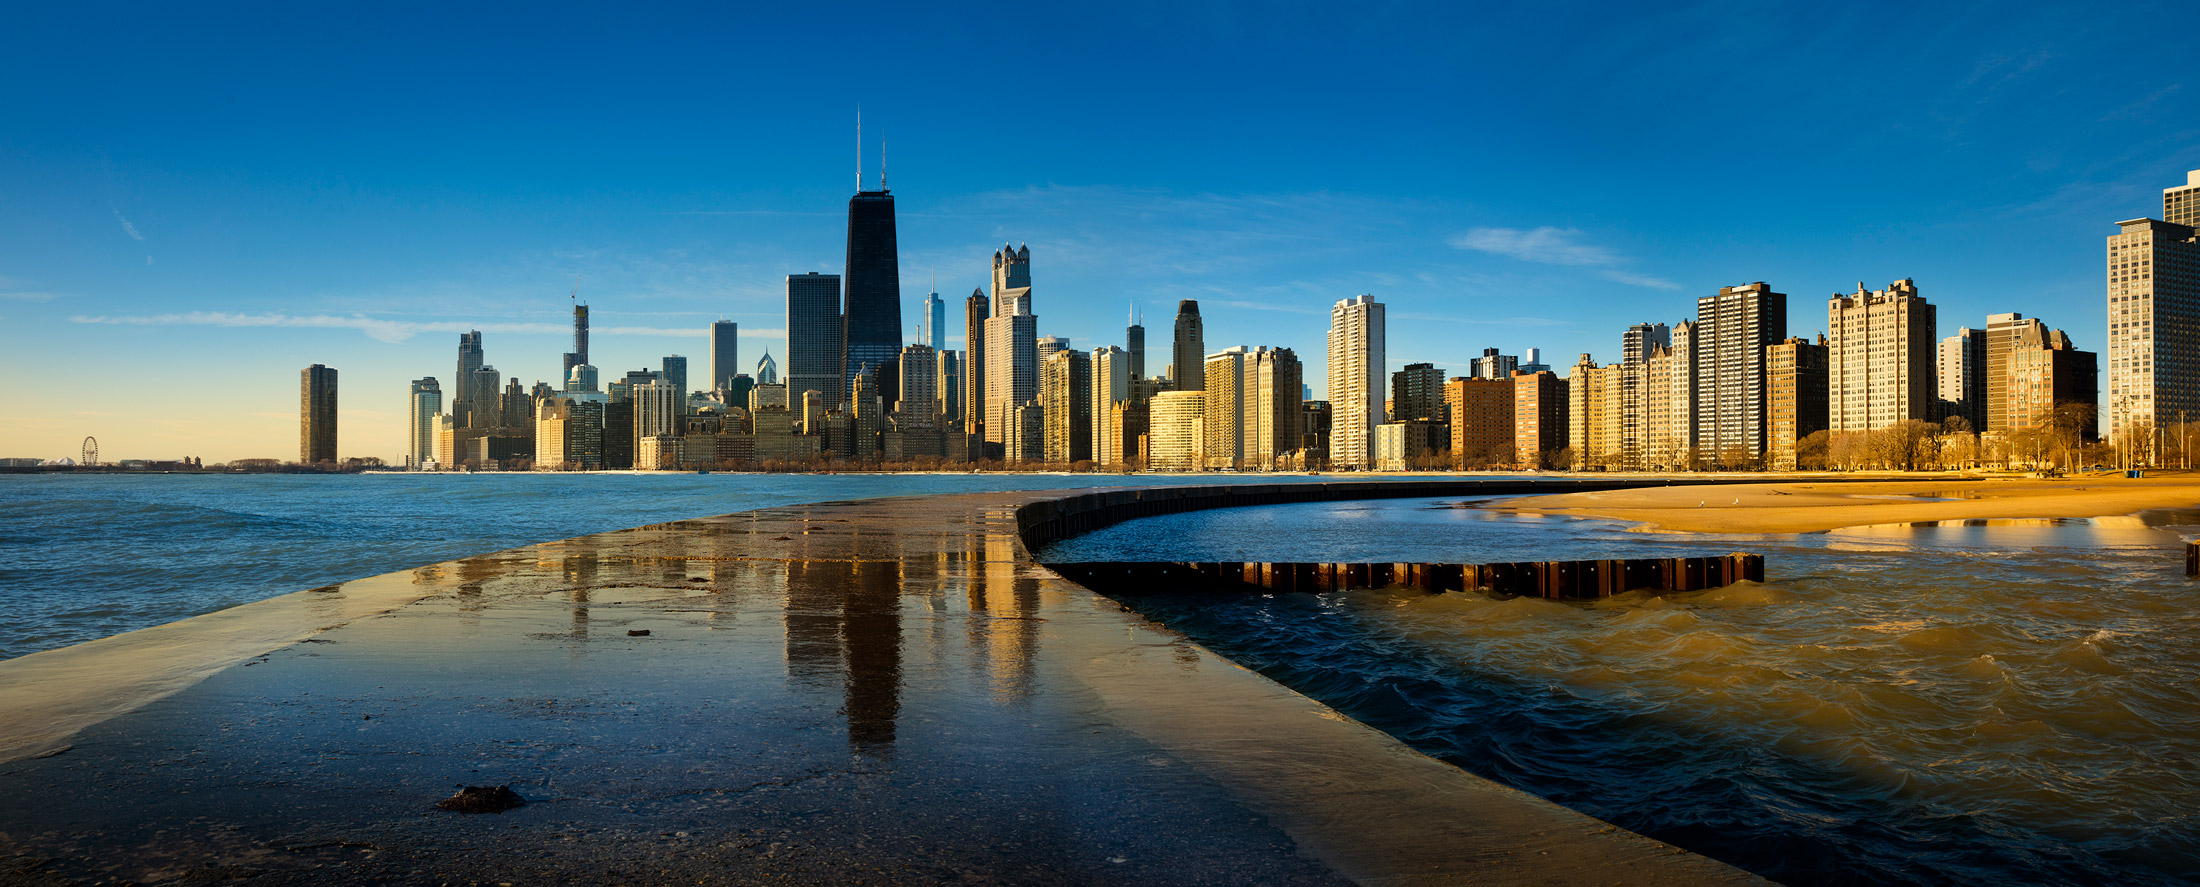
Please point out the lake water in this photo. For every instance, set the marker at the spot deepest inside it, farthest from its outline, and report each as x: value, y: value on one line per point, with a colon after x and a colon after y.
x: 1985, y: 702
x: 87, y: 556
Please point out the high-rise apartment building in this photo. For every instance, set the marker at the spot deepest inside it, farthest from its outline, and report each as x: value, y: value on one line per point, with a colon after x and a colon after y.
x: 1593, y: 413
x: 317, y: 414
x: 423, y: 406
x: 2003, y: 331
x: 1066, y: 406
x: 1048, y: 346
x: 947, y: 375
x: 2181, y: 205
x: 1178, y: 430
x: 1541, y: 417
x: 1636, y: 345
x: 975, y: 311
x: 871, y: 322
x: 1481, y: 421
x: 1188, y: 351
x: 1356, y: 375
x: 1880, y: 364
x: 1796, y: 396
x: 2051, y: 383
x: 1111, y: 386
x: 1492, y: 365
x: 2153, y: 324
x: 1962, y: 362
x: 1669, y: 401
x: 1732, y: 330
x: 1417, y: 392
x: 1273, y: 381
x: 1225, y: 417
x: 1011, y: 353
x: 814, y: 356
x: 725, y: 354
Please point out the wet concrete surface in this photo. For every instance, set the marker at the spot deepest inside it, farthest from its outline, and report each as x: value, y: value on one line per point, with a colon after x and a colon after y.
x: 884, y: 692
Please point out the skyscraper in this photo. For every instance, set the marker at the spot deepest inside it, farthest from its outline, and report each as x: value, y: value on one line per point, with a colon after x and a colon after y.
x: 1356, y: 375
x: 1593, y: 413
x: 675, y: 371
x: 767, y: 370
x: 934, y: 333
x: 725, y: 354
x: 1011, y: 350
x: 469, y: 359
x: 485, y: 399
x: 814, y: 357
x: 918, y: 403
x: 975, y: 311
x: 1963, y: 377
x: 1134, y: 343
x: 426, y: 401
x: 1732, y: 330
x: 1187, y: 354
x: 1880, y: 366
x: 871, y: 331
x: 579, y: 354
x: 317, y: 414
x: 2154, y: 321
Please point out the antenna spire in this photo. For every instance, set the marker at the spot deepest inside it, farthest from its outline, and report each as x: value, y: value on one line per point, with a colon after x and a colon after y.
x: 882, y: 166
x: 859, y: 146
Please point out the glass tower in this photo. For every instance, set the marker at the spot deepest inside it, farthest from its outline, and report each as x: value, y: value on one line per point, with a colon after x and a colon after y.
x: 871, y: 315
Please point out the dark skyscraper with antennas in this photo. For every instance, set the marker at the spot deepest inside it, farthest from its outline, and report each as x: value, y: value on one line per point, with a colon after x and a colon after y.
x: 871, y: 314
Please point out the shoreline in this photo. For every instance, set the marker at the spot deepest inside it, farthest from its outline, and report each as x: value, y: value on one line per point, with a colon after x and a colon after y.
x: 1816, y: 507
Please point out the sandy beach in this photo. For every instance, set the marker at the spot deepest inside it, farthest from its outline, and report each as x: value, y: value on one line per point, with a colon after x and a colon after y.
x: 1806, y: 507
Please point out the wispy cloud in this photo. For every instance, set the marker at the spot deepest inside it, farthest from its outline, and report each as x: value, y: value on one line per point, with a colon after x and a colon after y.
x: 1632, y: 279
x: 27, y: 296
x: 128, y: 228
x: 377, y: 328
x: 1548, y: 245
x: 1556, y: 246
x: 1266, y: 306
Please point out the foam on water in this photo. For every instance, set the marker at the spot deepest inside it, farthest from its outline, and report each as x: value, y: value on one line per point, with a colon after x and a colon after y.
x: 1946, y: 704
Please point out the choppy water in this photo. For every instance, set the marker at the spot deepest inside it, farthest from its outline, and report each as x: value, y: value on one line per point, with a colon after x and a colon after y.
x: 87, y: 556
x: 2006, y: 702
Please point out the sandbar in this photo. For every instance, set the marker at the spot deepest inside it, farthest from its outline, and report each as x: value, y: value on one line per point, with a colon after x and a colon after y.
x: 1811, y: 507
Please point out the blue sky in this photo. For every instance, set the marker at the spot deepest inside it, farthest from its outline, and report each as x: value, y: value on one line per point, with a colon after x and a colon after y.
x: 194, y: 204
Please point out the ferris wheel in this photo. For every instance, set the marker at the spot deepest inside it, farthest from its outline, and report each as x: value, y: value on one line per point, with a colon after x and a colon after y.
x: 91, y: 452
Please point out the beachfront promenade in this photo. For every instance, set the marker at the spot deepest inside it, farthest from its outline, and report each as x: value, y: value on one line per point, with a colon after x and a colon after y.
x: 880, y: 691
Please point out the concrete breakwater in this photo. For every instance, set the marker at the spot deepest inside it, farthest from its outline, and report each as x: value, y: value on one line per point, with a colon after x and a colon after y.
x: 1556, y: 580
x: 887, y: 690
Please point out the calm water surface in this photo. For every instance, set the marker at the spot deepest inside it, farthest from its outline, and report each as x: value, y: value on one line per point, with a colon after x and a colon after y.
x: 2005, y: 702
x: 87, y: 556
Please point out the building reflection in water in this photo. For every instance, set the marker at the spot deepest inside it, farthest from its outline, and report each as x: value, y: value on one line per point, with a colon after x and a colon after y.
x: 844, y: 620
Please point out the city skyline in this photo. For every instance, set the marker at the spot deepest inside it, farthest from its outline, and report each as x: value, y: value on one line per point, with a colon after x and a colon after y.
x: 176, y: 245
